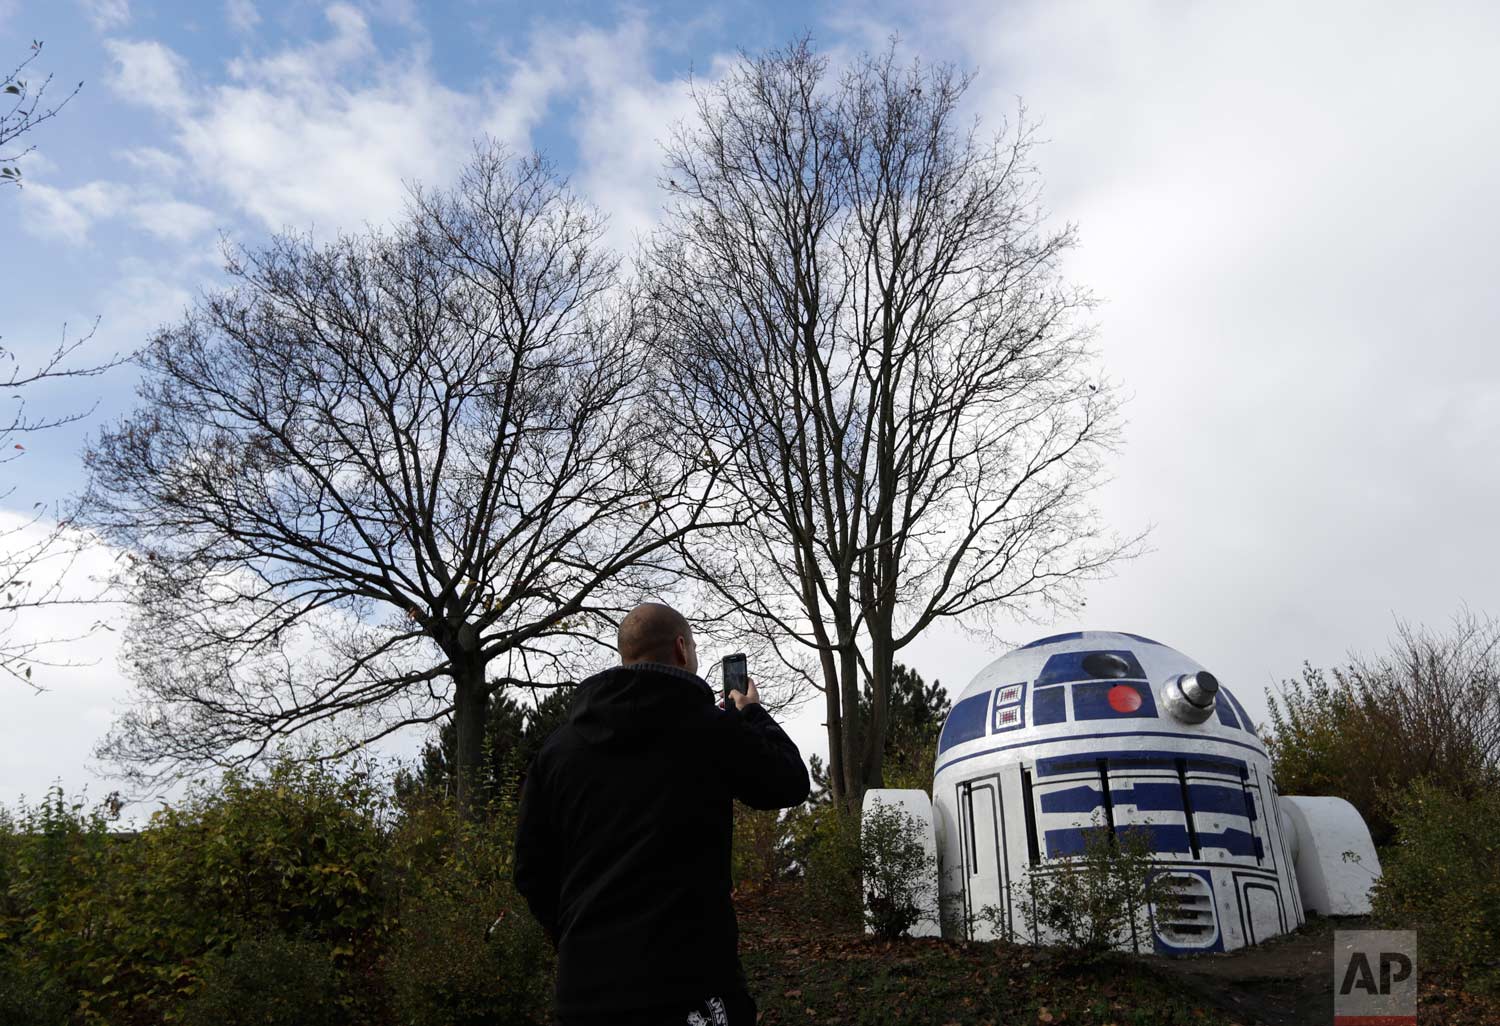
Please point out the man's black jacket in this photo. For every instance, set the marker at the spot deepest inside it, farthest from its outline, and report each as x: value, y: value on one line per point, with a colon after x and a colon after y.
x: 623, y: 843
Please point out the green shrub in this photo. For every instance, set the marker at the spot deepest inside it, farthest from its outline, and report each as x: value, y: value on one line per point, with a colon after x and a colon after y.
x: 900, y: 877
x: 30, y: 996
x: 63, y: 903
x: 759, y: 856
x: 1427, y: 708
x: 825, y: 840
x: 1440, y: 877
x: 1090, y: 901
x: 266, y: 979
x: 301, y: 847
x: 124, y: 924
x: 1324, y: 740
x: 466, y: 950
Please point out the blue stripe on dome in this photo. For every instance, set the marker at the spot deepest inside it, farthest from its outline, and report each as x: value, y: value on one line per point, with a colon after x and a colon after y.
x: 1049, y: 706
x: 1072, y: 636
x: 965, y: 722
x: 1091, y: 700
x: 1068, y: 666
x: 1240, y: 709
x: 1205, y: 762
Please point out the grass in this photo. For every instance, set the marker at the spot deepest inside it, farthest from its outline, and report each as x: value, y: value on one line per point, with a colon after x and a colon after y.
x: 803, y: 972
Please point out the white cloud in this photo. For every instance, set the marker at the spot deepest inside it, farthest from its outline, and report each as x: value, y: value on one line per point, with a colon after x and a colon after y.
x: 324, y: 133
x: 155, y: 161
x: 67, y: 214
x: 622, y: 112
x: 172, y: 220
x: 242, y: 15
x: 107, y: 14
x: 149, y: 74
x: 51, y: 734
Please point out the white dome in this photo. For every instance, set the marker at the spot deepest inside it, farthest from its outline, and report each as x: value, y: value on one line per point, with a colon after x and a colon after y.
x: 1099, y: 666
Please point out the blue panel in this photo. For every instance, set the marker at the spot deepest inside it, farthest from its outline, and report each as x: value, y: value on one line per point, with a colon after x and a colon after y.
x: 965, y: 722
x: 1149, y: 796
x: 1164, y: 839
x: 1236, y: 842
x: 1227, y: 800
x: 1049, y: 706
x: 1091, y: 701
x: 1240, y: 709
x: 1196, y: 762
x: 1074, y: 636
x: 1072, y: 799
x: 1137, y: 637
x: 1068, y: 666
x: 1226, y: 714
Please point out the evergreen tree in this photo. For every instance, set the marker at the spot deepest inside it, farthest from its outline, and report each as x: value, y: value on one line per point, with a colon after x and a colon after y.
x: 513, y: 734
x: 914, y: 720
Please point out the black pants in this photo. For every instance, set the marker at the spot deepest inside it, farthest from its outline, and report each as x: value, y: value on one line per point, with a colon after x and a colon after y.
x: 732, y: 1008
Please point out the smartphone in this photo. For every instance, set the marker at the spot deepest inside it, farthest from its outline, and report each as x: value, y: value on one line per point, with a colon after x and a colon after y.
x: 736, y: 677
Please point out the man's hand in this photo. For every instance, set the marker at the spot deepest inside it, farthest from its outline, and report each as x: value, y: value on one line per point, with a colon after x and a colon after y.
x: 741, y: 698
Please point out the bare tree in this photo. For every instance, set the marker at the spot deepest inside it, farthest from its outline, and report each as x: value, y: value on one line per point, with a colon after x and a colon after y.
x: 37, y: 554
x: 1426, y: 708
x: 375, y: 481
x: 872, y: 336
x: 25, y: 112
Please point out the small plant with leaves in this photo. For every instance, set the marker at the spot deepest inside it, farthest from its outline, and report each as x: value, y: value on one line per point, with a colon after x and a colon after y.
x: 1092, y: 901
x: 900, y: 875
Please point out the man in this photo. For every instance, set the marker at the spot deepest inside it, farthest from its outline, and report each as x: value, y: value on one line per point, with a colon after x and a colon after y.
x: 626, y: 822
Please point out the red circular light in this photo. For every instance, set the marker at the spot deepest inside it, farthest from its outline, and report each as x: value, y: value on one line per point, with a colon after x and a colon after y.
x: 1124, y: 699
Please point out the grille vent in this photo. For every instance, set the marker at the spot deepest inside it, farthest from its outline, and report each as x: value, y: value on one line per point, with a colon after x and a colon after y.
x: 1191, y: 924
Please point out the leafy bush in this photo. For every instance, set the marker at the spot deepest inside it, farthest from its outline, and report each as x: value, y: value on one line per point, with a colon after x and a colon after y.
x: 124, y: 924
x: 301, y: 847
x: 825, y: 843
x: 760, y: 856
x: 63, y: 887
x: 1440, y: 877
x: 900, y: 877
x: 266, y: 979
x: 1429, y: 708
x: 1091, y: 900
x: 466, y: 950
x: 30, y: 996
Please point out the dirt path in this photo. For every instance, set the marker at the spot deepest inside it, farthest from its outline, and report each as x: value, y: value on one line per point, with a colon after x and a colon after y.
x: 1283, y: 982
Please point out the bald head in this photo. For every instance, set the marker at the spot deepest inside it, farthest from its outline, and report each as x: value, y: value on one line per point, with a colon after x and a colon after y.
x: 656, y: 633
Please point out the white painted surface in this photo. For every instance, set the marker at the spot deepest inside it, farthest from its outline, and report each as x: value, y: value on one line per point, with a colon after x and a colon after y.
x: 915, y: 802
x: 1336, y: 860
x: 1150, y: 759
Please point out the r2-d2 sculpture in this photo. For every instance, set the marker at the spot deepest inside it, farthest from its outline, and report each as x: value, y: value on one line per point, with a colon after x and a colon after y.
x: 1116, y: 730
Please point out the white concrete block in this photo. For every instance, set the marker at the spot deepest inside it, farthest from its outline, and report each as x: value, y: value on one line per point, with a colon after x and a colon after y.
x: 1335, y: 858
x: 915, y: 802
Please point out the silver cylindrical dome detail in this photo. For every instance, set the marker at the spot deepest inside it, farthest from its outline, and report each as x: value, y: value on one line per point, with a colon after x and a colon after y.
x: 1200, y: 688
x: 1190, y: 697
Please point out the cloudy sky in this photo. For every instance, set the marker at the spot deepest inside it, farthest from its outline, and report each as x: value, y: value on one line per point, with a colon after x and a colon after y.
x: 1288, y: 209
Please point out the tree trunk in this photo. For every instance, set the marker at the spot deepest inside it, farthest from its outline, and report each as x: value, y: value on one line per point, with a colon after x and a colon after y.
x: 468, y: 725
x: 851, y: 771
